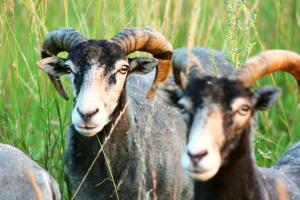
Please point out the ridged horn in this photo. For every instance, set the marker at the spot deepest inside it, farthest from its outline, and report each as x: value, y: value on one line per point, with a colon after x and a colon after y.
x: 184, y: 61
x: 267, y: 62
x: 61, y: 39
x: 151, y: 41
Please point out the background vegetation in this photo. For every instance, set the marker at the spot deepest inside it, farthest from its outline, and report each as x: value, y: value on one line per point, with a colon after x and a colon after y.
x: 35, y: 119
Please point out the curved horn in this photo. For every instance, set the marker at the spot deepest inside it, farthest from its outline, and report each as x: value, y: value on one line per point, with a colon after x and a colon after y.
x: 268, y: 62
x: 148, y: 40
x: 61, y: 39
x: 184, y: 61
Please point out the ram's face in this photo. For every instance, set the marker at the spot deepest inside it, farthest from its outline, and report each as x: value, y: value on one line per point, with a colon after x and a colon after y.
x: 217, y: 111
x: 98, y: 74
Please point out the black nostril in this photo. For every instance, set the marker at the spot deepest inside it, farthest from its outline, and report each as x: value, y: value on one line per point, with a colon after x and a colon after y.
x: 91, y: 114
x: 80, y: 113
x: 87, y: 116
x: 197, y: 157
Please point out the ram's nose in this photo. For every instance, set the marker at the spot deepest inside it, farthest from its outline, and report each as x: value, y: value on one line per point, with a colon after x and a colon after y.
x: 87, y: 115
x: 196, y: 157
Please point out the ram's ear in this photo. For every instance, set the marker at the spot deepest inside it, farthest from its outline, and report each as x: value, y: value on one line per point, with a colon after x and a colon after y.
x: 265, y: 97
x: 54, y: 66
x: 142, y: 65
x: 169, y: 93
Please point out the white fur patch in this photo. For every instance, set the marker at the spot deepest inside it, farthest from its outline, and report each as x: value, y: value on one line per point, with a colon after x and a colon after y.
x: 72, y: 66
x: 71, y: 77
x: 96, y: 94
x: 46, y: 179
x: 206, y: 134
x: 186, y: 102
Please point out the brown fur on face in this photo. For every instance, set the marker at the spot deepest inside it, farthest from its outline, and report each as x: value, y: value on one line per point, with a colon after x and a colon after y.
x: 237, y: 176
x: 215, y: 116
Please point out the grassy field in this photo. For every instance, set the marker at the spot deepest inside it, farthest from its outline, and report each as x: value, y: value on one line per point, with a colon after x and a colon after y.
x: 35, y: 119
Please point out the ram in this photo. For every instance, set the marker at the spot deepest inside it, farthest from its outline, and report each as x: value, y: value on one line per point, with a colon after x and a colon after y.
x: 220, y: 113
x: 22, y: 178
x: 110, y: 109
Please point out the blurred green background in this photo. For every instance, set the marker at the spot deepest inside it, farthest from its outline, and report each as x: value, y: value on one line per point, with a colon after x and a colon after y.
x: 35, y: 119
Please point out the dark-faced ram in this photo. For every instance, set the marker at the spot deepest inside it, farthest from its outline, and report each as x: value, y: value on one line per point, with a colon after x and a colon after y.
x: 110, y: 110
x: 219, y: 112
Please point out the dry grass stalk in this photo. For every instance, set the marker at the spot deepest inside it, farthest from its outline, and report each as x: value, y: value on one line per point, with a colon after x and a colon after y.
x: 176, y: 17
x: 194, y: 24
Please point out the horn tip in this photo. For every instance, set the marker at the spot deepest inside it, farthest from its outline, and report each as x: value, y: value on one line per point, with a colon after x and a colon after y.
x: 151, y: 93
x: 66, y: 97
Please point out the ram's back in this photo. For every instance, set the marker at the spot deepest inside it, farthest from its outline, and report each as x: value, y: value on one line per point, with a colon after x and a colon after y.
x: 213, y: 62
x: 22, y: 178
x: 282, y: 180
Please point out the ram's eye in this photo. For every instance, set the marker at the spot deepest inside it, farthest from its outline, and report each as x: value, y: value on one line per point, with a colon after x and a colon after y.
x: 184, y: 113
x: 244, y: 109
x: 181, y: 108
x: 69, y: 70
x: 124, y: 69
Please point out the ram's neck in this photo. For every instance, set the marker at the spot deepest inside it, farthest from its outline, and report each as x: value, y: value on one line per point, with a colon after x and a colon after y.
x: 83, y: 150
x: 116, y: 128
x: 238, y: 179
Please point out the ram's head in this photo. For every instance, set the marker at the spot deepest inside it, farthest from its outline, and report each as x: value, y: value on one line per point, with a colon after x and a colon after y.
x: 219, y: 110
x: 99, y: 68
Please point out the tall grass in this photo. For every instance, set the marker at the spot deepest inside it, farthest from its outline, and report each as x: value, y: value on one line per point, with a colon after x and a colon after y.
x: 35, y: 119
